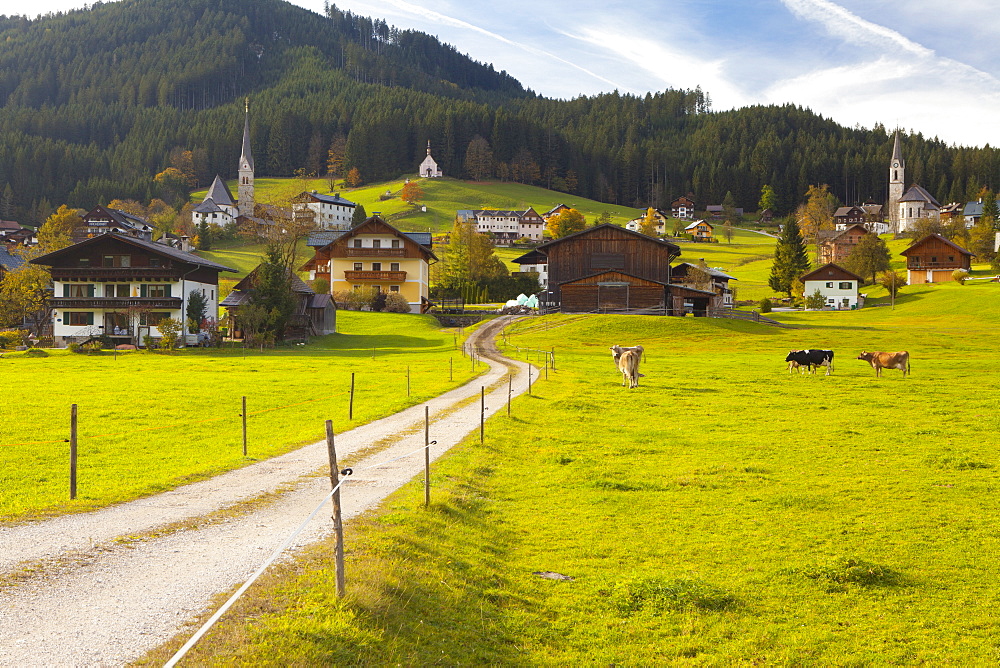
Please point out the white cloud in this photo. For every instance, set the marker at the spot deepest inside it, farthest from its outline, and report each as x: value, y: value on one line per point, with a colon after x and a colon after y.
x: 851, y: 27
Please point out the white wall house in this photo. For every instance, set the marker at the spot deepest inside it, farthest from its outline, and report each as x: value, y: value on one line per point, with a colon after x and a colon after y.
x: 329, y: 212
x: 838, y: 286
x: 506, y: 225
x: 536, y: 262
x: 123, y: 287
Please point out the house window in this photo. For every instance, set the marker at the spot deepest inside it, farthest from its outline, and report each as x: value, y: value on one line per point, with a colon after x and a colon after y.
x: 78, y: 290
x: 393, y: 288
x: 847, y: 285
x: 153, y: 318
x: 154, y: 262
x: 393, y: 266
x: 357, y: 243
x: 395, y: 243
x: 376, y: 243
x: 117, y: 260
x: 376, y: 266
x: 951, y: 258
x: 357, y: 266
x: 84, y: 262
x: 116, y: 290
x: 156, y: 291
x: 79, y: 318
x: 829, y: 284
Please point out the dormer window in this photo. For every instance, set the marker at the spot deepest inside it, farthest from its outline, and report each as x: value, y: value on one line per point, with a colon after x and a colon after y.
x: 155, y: 262
x: 84, y: 261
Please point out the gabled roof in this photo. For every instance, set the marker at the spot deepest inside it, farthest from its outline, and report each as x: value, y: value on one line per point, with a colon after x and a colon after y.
x: 8, y: 261
x: 917, y: 244
x: 717, y: 273
x: 590, y: 230
x: 208, y: 205
x: 9, y: 225
x: 335, y: 198
x: 532, y: 257
x: 321, y: 238
x: 120, y: 218
x: 554, y: 209
x: 219, y: 193
x: 836, y: 234
x: 974, y: 209
x: 846, y: 211
x: 919, y: 194
x: 152, y: 246
x: 414, y: 237
x: 697, y: 223
x: 830, y: 271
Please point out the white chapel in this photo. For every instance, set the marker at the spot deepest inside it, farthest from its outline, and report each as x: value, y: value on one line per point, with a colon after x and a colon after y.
x: 428, y: 168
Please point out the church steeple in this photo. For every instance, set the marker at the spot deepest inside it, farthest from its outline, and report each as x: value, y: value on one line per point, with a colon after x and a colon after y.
x: 897, y: 179
x: 245, y: 192
x: 428, y: 147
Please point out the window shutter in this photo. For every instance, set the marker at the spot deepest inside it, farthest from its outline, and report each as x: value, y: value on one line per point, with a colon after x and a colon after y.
x: 66, y: 290
x: 90, y: 317
x: 90, y: 293
x: 142, y: 290
x: 167, y: 293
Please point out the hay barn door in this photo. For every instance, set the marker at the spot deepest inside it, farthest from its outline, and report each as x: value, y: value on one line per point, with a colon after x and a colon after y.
x: 612, y: 296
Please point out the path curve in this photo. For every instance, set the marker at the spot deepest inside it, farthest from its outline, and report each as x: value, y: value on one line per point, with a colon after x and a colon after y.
x: 100, y: 598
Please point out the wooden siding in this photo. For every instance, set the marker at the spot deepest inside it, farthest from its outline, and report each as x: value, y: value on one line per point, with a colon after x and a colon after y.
x: 936, y: 253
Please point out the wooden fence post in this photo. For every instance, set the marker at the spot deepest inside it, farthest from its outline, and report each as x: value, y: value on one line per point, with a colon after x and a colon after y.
x: 552, y: 354
x: 338, y: 525
x: 244, y: 416
x: 350, y: 405
x: 72, y: 452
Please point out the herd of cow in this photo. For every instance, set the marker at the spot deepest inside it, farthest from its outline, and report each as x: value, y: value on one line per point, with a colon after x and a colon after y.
x: 627, y: 361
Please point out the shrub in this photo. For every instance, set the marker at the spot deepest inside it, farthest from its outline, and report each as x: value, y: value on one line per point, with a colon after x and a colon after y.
x: 656, y: 595
x: 855, y: 571
x: 12, y: 338
x: 960, y: 276
x: 321, y: 286
x: 816, y: 300
x: 765, y: 305
x: 396, y: 303
x: 149, y: 342
x: 892, y: 281
x: 74, y: 347
x: 92, y: 346
x: 170, y: 330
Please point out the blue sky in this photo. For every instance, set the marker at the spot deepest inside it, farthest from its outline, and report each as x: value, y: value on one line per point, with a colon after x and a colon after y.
x: 921, y: 65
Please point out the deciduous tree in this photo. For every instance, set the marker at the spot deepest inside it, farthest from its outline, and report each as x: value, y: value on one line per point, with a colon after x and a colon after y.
x: 57, y: 230
x: 768, y: 200
x: 353, y: 177
x: 648, y: 226
x: 567, y: 221
x: 869, y: 256
x: 817, y: 213
x: 412, y: 193
x: 335, y: 159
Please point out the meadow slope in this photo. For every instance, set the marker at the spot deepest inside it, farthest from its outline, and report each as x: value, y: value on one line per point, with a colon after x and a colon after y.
x: 725, y: 512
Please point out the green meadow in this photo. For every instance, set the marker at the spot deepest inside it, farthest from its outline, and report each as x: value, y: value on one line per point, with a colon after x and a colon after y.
x: 149, y: 422
x: 723, y: 513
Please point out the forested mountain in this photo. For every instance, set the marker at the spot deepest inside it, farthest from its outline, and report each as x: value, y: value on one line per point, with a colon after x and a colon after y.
x: 93, y: 101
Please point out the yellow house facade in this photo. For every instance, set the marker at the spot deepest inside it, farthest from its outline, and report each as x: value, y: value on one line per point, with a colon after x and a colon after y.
x: 375, y: 254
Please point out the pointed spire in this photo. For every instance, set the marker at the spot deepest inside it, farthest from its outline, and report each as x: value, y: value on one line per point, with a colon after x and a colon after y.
x: 428, y: 147
x: 897, y: 152
x: 246, y: 155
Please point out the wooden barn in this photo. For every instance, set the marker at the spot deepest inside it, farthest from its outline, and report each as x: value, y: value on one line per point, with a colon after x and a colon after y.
x: 315, y: 314
x: 933, y: 259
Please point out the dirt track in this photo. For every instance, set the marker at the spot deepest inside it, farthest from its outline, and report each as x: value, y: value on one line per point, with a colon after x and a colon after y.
x: 99, y: 597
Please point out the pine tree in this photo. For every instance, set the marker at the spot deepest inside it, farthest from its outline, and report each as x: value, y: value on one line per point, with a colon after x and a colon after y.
x: 790, y: 258
x: 359, y: 216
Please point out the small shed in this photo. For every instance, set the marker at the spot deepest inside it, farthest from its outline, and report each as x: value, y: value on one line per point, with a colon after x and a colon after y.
x: 933, y: 259
x: 315, y: 314
x: 610, y: 291
x: 838, y: 286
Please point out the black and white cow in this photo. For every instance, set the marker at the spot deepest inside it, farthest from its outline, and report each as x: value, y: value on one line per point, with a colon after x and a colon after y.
x: 810, y: 359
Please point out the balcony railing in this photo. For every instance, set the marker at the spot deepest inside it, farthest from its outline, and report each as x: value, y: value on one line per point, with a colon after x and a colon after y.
x: 116, y: 302
x: 954, y: 264
x: 375, y: 252
x: 375, y: 275
x: 114, y: 273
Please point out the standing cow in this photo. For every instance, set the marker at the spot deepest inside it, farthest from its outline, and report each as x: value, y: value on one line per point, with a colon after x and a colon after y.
x: 628, y: 364
x: 616, y: 352
x: 810, y: 359
x: 880, y: 360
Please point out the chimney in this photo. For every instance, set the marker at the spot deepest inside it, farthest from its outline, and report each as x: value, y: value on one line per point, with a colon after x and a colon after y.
x: 186, y: 243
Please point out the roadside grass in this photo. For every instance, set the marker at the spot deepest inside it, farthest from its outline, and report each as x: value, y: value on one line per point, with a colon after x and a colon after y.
x: 151, y: 422
x: 725, y: 512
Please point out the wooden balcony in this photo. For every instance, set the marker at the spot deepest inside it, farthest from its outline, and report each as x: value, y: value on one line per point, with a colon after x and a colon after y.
x: 397, y: 276
x: 954, y: 264
x: 375, y: 252
x: 108, y: 274
x: 117, y: 303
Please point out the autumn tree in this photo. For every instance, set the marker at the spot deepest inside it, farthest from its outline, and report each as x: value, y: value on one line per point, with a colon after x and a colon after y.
x: 183, y: 161
x: 25, y: 293
x: 817, y: 213
x: 892, y: 281
x: 335, y: 159
x: 468, y: 257
x: 479, y: 159
x: 172, y: 185
x: 353, y: 178
x: 869, y: 257
x: 412, y: 193
x: 648, y: 225
x: 790, y: 258
x: 57, y: 230
x: 567, y: 221
x: 129, y: 206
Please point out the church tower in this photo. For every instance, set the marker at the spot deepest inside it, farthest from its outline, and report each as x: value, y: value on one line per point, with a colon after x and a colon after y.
x: 897, y: 179
x: 244, y: 195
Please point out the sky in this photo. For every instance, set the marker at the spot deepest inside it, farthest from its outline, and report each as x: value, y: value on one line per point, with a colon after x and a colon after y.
x: 922, y: 65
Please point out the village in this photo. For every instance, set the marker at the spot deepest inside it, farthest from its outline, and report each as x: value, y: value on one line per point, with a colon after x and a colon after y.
x: 116, y: 279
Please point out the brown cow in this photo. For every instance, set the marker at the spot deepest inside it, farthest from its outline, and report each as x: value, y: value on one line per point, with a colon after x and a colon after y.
x: 628, y: 364
x: 880, y: 360
x: 616, y: 352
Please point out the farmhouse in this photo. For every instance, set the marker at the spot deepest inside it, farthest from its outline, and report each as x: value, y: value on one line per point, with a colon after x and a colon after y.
x: 123, y: 287
x: 374, y: 254
x: 659, y: 216
x: 326, y: 212
x: 836, y: 246
x: 933, y: 259
x: 315, y: 314
x: 683, y: 207
x: 555, y: 211
x: 102, y: 220
x: 838, y: 286
x: 704, y: 278
x: 700, y: 230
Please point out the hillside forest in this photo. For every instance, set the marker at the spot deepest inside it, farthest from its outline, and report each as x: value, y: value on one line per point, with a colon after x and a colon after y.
x: 94, y: 102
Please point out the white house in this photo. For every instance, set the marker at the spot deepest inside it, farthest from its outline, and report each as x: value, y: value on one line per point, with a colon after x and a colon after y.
x: 536, y: 262
x: 506, y: 225
x: 838, y: 286
x: 123, y: 287
x: 329, y: 212
x: 915, y: 204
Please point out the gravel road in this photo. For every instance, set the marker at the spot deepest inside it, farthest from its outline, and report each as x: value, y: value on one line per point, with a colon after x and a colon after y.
x: 92, y: 596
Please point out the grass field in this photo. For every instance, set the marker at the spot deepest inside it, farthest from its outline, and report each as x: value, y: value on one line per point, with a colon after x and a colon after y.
x: 149, y: 422
x: 724, y: 513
